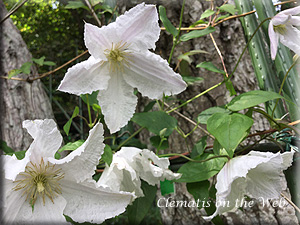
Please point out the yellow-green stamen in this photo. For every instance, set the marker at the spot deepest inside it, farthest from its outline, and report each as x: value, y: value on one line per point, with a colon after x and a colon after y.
x: 281, y: 29
x: 117, y: 56
x: 39, y: 180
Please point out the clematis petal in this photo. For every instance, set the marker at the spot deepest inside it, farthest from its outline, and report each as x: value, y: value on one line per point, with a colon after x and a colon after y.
x: 117, y: 102
x: 139, y: 26
x: 274, y: 38
x: 99, y: 203
x: 85, y: 77
x: 295, y: 21
x: 81, y: 163
x: 152, y: 76
x: 291, y: 39
x: 280, y: 19
x: 120, y: 176
x: 153, y: 173
x: 17, y: 210
x: 239, y: 177
x: 47, y: 138
x: 97, y: 40
x: 291, y: 11
x: 13, y: 166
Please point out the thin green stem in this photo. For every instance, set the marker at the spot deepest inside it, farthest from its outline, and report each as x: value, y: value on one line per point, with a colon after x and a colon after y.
x: 193, y: 160
x: 129, y: 138
x: 281, y: 87
x: 197, y: 96
x: 160, y: 143
x: 175, y: 41
x: 89, y: 110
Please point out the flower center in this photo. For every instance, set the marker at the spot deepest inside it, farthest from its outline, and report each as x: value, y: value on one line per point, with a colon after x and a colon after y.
x: 281, y: 29
x: 117, y: 56
x: 39, y: 180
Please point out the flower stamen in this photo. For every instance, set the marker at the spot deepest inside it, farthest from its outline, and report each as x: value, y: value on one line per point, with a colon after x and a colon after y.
x: 281, y: 29
x: 39, y: 180
x: 117, y: 56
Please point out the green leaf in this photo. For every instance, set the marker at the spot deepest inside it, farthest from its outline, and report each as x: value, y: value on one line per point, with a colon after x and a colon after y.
x: 228, y: 8
x: 251, y: 98
x: 191, y: 80
x: 166, y: 22
x: 5, y: 148
x: 166, y: 187
x: 195, y: 171
x: 39, y: 61
x: 211, y: 67
x: 71, y: 146
x: 91, y: 97
x: 68, y: 124
x: 155, y: 121
x: 76, y: 5
x: 207, y: 13
x: 107, y: 156
x: 222, y: 17
x: 26, y: 67
x: 57, y: 155
x: 13, y: 73
x: 155, y: 141
x: 199, y: 190
x: 185, y: 56
x: 204, y: 115
x: 199, y: 147
x: 229, y: 130
x: 230, y: 88
x: 149, y: 106
x: 20, y: 154
x: 140, y: 207
x: 197, y: 33
x: 49, y: 63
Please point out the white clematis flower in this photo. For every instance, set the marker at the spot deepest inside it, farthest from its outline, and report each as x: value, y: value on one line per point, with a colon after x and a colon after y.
x: 257, y: 174
x: 130, y: 165
x: 120, y: 61
x: 39, y: 188
x: 282, y: 27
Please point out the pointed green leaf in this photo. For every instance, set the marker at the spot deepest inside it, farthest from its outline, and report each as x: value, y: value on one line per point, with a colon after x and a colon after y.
x: 229, y: 130
x: 68, y: 124
x: 197, y: 33
x: 107, y: 156
x: 228, y: 8
x: 199, y: 147
x: 166, y: 22
x: 155, y: 121
x: 71, y: 146
x: 26, y: 67
x: 195, y: 171
x: 211, y: 67
x: 251, y: 98
x: 39, y: 61
x: 13, y: 73
x: 204, y: 115
x: 207, y: 13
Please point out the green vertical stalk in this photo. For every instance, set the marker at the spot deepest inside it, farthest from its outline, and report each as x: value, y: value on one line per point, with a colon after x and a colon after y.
x: 262, y: 63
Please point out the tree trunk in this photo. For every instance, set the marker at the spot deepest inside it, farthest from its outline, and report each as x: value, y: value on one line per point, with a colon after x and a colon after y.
x: 230, y: 39
x: 19, y: 100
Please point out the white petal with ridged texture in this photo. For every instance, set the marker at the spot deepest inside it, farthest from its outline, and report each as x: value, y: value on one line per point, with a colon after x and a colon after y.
x: 97, y: 40
x: 88, y: 203
x: 139, y: 26
x: 86, y: 77
x: 152, y: 76
x: 295, y: 21
x: 13, y: 166
x: 47, y: 138
x: 19, y: 211
x: 291, y: 39
x: 291, y: 11
x: 120, y: 176
x: 81, y: 163
x: 274, y: 38
x: 257, y: 174
x: 117, y: 102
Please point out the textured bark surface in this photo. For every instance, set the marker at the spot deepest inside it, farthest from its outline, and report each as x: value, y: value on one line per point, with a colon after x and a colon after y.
x: 19, y: 100
x: 230, y: 39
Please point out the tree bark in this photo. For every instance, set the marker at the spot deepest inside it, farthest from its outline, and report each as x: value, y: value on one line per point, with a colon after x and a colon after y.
x: 230, y: 39
x: 19, y: 100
